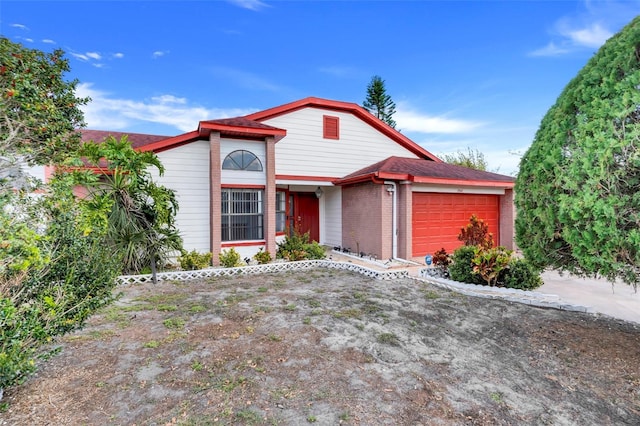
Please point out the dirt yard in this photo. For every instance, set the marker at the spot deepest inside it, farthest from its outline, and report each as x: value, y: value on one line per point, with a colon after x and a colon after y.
x: 332, y: 347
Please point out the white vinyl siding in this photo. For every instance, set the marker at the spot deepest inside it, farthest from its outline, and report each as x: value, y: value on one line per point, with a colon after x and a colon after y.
x: 304, y: 151
x: 331, y: 216
x: 187, y: 172
x: 246, y: 177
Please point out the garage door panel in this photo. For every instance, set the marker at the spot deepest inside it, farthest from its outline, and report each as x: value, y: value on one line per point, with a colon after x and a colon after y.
x: 438, y: 218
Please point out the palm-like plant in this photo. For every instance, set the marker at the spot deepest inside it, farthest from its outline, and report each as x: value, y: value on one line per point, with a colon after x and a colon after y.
x: 139, y: 213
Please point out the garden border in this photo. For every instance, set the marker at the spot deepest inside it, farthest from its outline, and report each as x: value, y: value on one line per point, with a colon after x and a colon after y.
x: 527, y: 297
x: 301, y: 265
x: 509, y: 294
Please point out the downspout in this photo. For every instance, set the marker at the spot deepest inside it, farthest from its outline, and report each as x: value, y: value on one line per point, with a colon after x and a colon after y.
x: 394, y: 218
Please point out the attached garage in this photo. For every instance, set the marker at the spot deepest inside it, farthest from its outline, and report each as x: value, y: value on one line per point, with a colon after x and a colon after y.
x: 437, y: 219
x: 407, y: 207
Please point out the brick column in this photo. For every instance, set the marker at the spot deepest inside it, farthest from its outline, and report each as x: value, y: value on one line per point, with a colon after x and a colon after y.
x: 215, y: 170
x: 270, y: 197
x: 507, y: 220
x: 405, y: 229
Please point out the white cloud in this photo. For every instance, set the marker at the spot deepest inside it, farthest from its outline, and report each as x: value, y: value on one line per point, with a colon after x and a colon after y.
x: 79, y: 56
x: 48, y: 41
x: 20, y: 27
x: 254, y: 5
x: 94, y: 55
x: 550, y: 49
x: 589, y: 29
x: 118, y: 55
x: 411, y: 121
x: 108, y: 113
x: 169, y: 99
x: 571, y: 38
x: 159, y: 53
x: 592, y: 36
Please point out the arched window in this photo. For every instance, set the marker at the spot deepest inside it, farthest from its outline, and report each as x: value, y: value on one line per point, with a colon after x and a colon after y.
x: 242, y: 160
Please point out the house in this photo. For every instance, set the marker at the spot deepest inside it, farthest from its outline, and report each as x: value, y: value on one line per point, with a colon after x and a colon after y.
x: 325, y: 167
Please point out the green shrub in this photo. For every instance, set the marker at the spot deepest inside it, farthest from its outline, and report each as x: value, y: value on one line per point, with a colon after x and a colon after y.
x: 299, y: 247
x: 490, y: 262
x: 522, y: 275
x: 17, y: 356
x: 461, y: 268
x: 262, y: 257
x: 230, y: 258
x: 193, y: 260
x: 315, y: 251
x: 54, y: 299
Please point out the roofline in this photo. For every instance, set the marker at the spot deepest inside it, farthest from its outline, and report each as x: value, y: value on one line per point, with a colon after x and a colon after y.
x: 207, y: 127
x: 171, y: 142
x: 377, y: 177
x: 348, y: 107
x: 204, y: 132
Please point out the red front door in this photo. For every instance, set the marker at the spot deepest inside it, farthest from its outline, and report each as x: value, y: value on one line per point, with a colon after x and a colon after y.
x: 304, y: 214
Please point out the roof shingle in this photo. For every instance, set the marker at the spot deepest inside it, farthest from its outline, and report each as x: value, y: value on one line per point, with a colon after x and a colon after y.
x: 415, y: 168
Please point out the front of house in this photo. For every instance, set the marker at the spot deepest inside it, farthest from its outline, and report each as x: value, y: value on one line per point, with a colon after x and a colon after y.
x: 325, y: 167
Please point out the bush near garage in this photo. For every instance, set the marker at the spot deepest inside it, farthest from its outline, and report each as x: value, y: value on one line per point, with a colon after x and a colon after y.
x: 478, y: 262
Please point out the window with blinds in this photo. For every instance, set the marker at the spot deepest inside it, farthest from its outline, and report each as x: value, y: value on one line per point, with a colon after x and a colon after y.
x: 242, y: 214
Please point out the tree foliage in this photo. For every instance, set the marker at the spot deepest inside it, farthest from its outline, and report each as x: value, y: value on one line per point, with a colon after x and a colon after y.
x: 378, y: 102
x: 53, y: 276
x: 139, y: 213
x: 59, y: 256
x: 39, y: 111
x: 577, y: 198
x: 472, y: 159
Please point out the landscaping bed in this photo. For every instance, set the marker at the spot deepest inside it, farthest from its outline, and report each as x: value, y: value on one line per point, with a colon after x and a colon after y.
x: 332, y: 347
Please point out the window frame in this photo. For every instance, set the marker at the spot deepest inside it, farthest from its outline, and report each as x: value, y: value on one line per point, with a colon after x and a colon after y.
x: 244, y: 164
x: 281, y: 211
x: 237, y: 222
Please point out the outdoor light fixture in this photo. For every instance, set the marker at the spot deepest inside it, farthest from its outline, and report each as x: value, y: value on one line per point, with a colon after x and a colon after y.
x: 319, y: 192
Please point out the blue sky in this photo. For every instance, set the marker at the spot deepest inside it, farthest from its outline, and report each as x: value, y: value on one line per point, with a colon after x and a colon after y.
x: 477, y: 75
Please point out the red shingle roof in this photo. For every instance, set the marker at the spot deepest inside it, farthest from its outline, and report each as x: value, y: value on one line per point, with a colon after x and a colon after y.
x: 239, y: 122
x: 425, y: 171
x: 241, y: 127
x: 137, y: 139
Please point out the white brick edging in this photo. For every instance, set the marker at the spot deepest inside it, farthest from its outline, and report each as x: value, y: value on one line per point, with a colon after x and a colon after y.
x: 302, y: 265
x: 532, y: 298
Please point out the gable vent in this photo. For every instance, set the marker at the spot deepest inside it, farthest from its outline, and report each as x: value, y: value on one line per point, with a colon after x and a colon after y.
x: 331, y: 127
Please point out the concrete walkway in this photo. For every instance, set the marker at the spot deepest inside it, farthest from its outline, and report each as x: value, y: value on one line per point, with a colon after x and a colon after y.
x: 562, y: 291
x: 617, y: 300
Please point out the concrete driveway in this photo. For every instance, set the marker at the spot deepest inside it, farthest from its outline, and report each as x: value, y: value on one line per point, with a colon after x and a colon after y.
x: 618, y: 300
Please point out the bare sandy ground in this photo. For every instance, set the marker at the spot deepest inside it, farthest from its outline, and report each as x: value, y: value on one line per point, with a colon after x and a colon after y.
x: 332, y: 347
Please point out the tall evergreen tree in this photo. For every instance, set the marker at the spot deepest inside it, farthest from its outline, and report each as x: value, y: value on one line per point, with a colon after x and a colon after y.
x: 378, y: 102
x: 577, y: 198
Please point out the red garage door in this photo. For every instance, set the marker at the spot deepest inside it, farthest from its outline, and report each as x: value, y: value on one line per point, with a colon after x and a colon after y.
x: 438, y: 218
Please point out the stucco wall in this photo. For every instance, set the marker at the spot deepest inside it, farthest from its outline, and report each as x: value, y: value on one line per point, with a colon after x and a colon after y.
x: 507, y: 220
x: 404, y: 212
x: 366, y: 219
